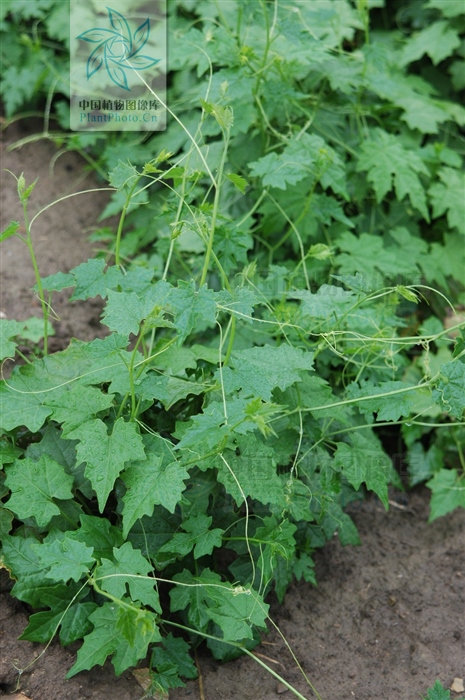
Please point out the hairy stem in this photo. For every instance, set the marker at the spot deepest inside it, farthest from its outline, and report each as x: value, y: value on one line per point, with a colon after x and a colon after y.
x: 216, y: 203
x: 122, y: 219
x: 40, y: 289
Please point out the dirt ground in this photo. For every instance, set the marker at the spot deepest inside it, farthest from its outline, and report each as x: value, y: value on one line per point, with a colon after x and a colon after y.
x: 58, y: 234
x: 386, y: 619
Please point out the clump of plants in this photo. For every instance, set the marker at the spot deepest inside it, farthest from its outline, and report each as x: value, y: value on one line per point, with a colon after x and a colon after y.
x: 275, y: 297
x: 438, y: 692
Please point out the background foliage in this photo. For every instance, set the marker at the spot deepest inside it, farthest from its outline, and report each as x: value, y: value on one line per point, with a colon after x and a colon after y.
x: 282, y: 298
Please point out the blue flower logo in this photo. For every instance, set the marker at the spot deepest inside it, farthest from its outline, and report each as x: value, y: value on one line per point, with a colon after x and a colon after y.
x: 118, y: 49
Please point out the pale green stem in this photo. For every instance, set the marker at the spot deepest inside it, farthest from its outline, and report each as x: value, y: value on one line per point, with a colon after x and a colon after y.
x: 246, y: 651
x: 215, y: 212
x: 40, y: 289
x: 122, y: 218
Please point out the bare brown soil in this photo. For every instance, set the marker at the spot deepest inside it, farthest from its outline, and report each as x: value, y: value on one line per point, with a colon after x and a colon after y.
x: 386, y: 619
x: 58, y: 233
